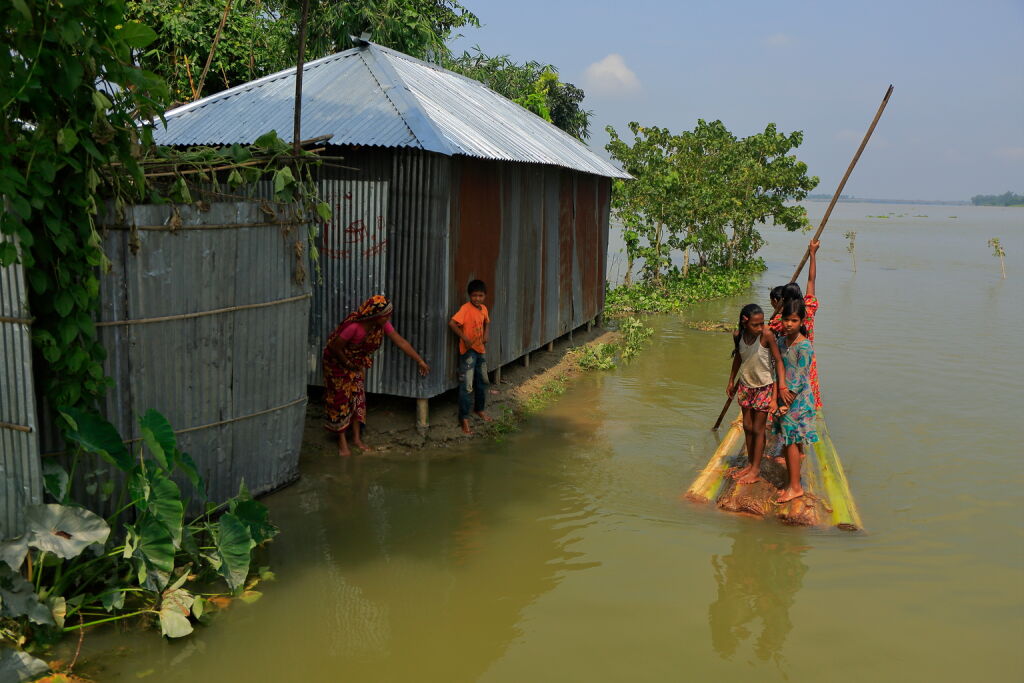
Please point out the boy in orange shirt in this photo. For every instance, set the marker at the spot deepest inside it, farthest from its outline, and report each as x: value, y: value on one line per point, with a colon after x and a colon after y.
x: 471, y: 325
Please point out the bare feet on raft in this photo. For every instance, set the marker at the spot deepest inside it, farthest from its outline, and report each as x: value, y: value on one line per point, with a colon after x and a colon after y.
x: 789, y: 494
x: 343, y: 450
x: 736, y: 474
x: 483, y: 416
x: 781, y: 459
x: 466, y: 429
x: 750, y: 477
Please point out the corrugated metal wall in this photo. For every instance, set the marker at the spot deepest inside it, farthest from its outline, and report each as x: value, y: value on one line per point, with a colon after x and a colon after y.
x: 229, y: 369
x: 20, y: 478
x: 419, y: 226
x: 388, y: 234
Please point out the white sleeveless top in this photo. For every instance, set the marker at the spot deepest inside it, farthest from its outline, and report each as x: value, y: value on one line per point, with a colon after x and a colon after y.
x: 755, y: 364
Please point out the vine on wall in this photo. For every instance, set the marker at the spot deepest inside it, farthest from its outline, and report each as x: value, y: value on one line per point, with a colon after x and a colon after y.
x: 76, y: 127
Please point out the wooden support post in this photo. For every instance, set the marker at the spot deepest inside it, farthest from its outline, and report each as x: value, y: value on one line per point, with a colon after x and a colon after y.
x: 422, y: 413
x: 590, y: 325
x: 526, y: 360
x: 496, y: 379
x: 599, y: 320
x: 570, y: 336
x: 551, y: 346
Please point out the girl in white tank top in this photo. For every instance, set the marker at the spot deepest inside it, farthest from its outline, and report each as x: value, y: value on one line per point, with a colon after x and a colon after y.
x: 755, y: 362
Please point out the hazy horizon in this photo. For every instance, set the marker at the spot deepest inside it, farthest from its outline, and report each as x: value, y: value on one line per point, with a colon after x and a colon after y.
x: 954, y: 127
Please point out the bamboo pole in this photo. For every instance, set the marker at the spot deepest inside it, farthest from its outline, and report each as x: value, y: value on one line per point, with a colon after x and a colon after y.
x: 213, y: 50
x: 298, y: 78
x: 824, y: 219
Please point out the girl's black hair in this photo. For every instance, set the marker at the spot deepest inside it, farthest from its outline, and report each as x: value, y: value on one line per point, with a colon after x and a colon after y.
x: 795, y: 307
x: 776, y: 294
x: 792, y: 291
x: 746, y: 313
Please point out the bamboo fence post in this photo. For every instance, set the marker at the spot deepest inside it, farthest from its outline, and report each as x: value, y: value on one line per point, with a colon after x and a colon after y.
x: 828, y: 212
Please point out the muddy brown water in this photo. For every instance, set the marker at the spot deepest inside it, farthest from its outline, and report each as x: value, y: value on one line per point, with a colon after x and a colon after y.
x: 564, y: 553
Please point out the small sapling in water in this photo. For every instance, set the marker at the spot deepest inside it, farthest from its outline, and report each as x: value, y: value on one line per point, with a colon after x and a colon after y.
x: 998, y: 252
x: 851, y: 246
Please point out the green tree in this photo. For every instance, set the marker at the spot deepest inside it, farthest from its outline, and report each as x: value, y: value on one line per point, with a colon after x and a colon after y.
x: 71, y: 97
x: 254, y: 41
x: 259, y: 37
x: 532, y: 85
x: 705, y: 191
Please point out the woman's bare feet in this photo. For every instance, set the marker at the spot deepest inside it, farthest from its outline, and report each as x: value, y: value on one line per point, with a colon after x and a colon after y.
x: 789, y: 494
x: 343, y: 450
x: 483, y: 416
x: 362, y: 446
x: 466, y: 429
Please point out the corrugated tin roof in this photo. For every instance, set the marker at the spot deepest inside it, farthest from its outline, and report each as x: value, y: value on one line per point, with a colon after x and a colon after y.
x: 375, y: 96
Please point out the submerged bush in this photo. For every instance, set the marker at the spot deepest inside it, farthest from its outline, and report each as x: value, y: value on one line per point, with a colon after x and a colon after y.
x: 676, y: 292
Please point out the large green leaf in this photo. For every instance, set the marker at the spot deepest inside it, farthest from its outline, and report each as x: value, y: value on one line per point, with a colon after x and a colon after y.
x: 63, y: 530
x: 159, y: 437
x: 256, y: 518
x: 136, y: 34
x: 174, y: 611
x: 153, y: 542
x: 165, y: 504
x: 17, y: 666
x: 18, y: 599
x: 98, y: 436
x: 187, y: 465
x: 234, y: 546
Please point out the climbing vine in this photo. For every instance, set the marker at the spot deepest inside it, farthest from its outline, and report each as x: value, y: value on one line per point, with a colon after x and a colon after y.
x: 71, y: 98
x: 76, y: 131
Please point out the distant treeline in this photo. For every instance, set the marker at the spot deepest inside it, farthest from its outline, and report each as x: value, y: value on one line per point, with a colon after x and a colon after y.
x: 1005, y: 199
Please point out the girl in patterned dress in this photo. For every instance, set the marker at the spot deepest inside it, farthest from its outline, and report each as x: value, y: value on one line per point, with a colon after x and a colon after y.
x: 792, y: 291
x: 347, y: 356
x: 795, y: 427
x: 755, y: 359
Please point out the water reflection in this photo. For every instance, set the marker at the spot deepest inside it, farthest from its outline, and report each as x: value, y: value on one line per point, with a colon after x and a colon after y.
x: 757, y: 582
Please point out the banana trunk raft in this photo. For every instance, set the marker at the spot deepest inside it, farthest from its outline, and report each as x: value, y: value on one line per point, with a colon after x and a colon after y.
x: 827, y: 501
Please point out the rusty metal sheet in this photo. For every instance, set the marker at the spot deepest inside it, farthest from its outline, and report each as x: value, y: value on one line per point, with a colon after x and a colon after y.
x: 477, y: 238
x: 588, y: 248
x: 566, y: 219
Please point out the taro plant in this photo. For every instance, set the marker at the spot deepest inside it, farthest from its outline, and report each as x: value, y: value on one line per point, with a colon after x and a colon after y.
x: 999, y: 253
x: 851, y: 246
x: 72, y: 569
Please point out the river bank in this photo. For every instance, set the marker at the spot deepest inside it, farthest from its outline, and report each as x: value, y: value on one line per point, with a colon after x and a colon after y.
x: 391, y: 430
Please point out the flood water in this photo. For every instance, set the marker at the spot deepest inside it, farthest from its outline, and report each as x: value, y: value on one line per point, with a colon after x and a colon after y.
x: 564, y: 552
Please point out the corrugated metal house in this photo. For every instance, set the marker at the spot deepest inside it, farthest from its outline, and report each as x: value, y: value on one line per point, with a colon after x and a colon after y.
x: 443, y: 181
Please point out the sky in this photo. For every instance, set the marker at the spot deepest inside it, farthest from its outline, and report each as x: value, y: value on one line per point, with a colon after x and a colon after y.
x: 953, y: 128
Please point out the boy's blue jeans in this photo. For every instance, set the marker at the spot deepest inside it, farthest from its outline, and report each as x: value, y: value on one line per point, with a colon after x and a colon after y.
x: 472, y: 383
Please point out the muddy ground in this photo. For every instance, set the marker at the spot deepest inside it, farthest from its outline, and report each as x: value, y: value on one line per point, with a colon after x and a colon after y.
x: 391, y: 421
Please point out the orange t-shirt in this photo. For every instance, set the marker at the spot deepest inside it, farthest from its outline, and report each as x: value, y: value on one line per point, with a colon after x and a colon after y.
x: 472, y: 320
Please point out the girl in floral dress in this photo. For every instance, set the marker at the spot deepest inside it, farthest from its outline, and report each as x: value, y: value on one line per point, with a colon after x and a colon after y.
x: 347, y: 356
x: 792, y: 291
x: 795, y: 427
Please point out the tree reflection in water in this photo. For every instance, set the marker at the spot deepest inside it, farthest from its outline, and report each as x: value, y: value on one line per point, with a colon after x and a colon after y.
x: 758, y: 580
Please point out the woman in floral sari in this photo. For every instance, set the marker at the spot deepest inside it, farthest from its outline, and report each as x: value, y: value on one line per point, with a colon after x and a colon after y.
x: 347, y: 356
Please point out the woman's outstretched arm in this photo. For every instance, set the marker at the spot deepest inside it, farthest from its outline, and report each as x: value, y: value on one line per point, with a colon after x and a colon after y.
x: 407, y: 349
